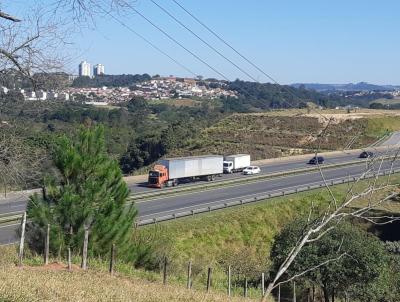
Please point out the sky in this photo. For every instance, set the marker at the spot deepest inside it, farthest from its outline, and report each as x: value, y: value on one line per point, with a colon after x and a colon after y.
x: 311, y: 41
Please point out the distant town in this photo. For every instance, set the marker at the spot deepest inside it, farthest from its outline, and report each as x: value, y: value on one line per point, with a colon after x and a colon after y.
x: 156, y: 87
x: 87, y: 87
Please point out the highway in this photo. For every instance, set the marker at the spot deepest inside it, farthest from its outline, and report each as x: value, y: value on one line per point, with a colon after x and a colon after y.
x: 169, y: 205
x: 163, y: 205
x: 284, y: 165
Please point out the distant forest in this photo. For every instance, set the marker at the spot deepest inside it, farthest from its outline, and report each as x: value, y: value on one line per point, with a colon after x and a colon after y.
x: 258, y: 97
x: 122, y: 80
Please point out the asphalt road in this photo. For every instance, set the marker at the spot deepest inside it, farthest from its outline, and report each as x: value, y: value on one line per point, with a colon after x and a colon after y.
x: 169, y: 205
x: 188, y: 201
x: 289, y: 165
x: 162, y: 206
x: 393, y: 140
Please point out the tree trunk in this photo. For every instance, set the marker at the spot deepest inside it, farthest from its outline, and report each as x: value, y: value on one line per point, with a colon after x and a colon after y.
x: 333, y: 295
x: 326, y: 294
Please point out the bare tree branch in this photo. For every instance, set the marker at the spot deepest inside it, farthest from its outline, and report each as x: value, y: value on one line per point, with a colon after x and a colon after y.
x: 9, y: 17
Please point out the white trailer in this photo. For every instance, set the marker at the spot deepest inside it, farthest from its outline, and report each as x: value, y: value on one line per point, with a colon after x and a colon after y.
x: 236, y: 163
x: 170, y: 171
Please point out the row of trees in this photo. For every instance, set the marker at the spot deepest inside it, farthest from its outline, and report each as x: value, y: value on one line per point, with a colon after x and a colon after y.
x: 123, y: 80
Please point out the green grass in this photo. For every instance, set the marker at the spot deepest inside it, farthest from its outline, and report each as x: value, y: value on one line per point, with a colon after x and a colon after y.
x: 241, y: 237
x: 242, y: 232
x: 283, y: 133
x: 378, y: 126
x: 387, y: 101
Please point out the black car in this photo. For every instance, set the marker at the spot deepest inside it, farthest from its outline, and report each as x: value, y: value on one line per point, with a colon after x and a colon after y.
x: 316, y: 160
x: 366, y: 154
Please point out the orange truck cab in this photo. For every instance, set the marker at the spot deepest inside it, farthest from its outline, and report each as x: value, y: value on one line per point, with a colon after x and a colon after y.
x: 158, y: 176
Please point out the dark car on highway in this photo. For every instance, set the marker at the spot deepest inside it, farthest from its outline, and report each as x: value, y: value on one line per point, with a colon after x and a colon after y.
x: 316, y: 160
x: 366, y: 154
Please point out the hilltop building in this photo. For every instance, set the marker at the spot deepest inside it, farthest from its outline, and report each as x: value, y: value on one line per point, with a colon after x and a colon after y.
x: 84, y: 69
x: 98, y: 69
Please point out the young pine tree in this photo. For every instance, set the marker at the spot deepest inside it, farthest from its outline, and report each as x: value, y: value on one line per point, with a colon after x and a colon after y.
x: 92, y: 194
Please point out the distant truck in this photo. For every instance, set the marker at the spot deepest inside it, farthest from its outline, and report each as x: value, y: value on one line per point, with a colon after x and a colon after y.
x: 169, y: 172
x: 236, y: 163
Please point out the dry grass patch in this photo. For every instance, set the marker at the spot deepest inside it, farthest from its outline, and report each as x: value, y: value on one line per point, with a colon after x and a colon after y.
x: 55, y: 283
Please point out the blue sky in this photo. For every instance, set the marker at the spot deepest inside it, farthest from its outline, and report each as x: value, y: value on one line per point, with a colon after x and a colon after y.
x: 294, y: 41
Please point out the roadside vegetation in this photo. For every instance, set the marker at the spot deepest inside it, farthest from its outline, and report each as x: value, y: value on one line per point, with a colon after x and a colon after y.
x: 140, y: 132
x: 246, y: 238
x: 55, y: 283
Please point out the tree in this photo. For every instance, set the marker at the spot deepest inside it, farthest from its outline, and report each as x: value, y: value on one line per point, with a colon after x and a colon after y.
x: 375, y: 190
x: 359, y: 258
x: 142, y: 152
x: 20, y: 163
x: 91, y: 195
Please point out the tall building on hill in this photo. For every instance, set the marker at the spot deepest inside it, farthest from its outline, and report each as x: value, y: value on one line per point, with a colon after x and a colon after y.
x: 98, y: 69
x: 84, y: 69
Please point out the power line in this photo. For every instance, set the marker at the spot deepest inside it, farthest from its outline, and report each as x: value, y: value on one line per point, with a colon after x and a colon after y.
x: 226, y: 43
x: 176, y: 42
x: 242, y: 56
x: 202, y: 40
x: 148, y: 41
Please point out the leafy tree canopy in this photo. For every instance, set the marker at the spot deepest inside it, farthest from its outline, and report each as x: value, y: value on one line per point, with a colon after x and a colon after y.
x: 360, y: 258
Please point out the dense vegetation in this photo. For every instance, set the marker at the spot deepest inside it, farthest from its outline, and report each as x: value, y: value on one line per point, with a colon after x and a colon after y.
x: 91, y: 195
x: 256, y: 96
x: 131, y: 129
x: 110, y: 80
x: 139, y: 132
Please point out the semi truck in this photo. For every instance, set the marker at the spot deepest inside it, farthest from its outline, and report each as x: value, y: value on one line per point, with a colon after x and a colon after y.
x: 171, y: 171
x: 236, y: 163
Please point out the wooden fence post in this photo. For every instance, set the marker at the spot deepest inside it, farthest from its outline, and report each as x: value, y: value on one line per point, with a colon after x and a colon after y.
x: 294, y: 291
x: 189, y: 275
x: 229, y: 281
x: 46, y: 245
x: 85, y: 249
x: 209, y: 279
x: 245, y: 288
x: 165, y: 271
x: 69, y: 259
x: 112, y: 259
x: 262, y: 285
x: 279, y: 293
x: 22, y: 240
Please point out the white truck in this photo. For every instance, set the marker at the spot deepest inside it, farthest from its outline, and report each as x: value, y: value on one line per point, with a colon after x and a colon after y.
x: 168, y: 172
x: 236, y: 163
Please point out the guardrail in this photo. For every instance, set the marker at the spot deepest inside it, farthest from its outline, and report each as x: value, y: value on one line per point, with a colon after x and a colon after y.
x: 4, y: 218
x: 243, y: 201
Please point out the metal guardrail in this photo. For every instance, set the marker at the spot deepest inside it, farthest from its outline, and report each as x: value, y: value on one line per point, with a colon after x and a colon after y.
x: 4, y: 218
x: 235, y: 180
x: 243, y: 201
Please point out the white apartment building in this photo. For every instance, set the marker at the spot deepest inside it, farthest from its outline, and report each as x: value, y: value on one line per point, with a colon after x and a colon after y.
x: 98, y: 69
x: 84, y: 69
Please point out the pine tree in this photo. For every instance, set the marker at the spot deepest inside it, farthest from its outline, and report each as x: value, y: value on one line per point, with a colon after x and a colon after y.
x: 91, y: 194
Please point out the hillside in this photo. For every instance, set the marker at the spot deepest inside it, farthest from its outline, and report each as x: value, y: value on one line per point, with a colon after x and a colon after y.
x: 55, y: 283
x: 288, y: 132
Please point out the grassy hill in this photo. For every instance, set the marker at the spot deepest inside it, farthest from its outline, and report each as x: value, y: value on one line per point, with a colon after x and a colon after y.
x: 54, y: 283
x: 287, y: 132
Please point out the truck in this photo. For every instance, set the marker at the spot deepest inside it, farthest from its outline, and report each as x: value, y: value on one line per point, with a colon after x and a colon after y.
x: 236, y: 163
x: 169, y: 172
